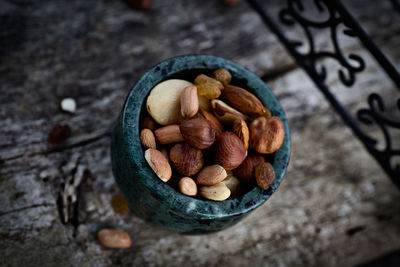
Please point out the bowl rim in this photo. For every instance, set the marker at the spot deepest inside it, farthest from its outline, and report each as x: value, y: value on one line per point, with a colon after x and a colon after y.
x: 178, y: 203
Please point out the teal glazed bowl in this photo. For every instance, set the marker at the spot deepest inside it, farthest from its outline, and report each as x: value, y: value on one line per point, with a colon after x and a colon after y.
x: 157, y: 202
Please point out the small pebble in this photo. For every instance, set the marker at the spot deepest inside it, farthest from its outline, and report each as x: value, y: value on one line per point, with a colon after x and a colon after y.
x: 68, y: 105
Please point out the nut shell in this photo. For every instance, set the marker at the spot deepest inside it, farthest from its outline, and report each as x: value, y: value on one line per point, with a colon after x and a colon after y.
x: 185, y: 159
x: 230, y: 151
x: 246, y: 170
x: 266, y: 135
x: 198, y: 133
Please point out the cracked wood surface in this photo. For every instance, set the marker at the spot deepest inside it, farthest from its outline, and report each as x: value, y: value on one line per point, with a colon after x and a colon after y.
x: 335, y: 207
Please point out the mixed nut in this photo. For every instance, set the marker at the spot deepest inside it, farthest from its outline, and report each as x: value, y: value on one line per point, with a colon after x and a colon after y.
x: 211, y: 137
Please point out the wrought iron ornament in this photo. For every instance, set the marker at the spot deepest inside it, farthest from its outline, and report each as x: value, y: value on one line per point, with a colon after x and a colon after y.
x: 350, y: 65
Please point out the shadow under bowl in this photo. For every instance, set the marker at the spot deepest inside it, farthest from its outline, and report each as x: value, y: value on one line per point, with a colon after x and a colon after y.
x: 159, y: 203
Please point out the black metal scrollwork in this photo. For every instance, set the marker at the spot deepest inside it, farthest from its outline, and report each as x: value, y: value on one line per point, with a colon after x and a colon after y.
x: 293, y: 14
x: 338, y: 15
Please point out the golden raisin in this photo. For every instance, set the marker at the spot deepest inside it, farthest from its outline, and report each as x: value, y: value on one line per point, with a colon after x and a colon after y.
x: 208, y: 87
x: 222, y: 75
x: 267, y: 113
x: 120, y: 205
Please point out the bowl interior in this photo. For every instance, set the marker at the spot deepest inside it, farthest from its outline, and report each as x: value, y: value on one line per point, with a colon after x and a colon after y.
x: 188, y: 67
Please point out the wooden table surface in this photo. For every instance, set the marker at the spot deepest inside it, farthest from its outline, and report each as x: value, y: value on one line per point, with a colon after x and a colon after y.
x: 335, y: 207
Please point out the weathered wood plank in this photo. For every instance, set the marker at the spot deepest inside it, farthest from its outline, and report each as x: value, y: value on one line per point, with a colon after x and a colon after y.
x: 335, y: 206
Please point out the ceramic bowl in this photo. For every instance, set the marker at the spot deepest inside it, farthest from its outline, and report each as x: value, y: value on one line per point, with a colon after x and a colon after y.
x: 157, y: 202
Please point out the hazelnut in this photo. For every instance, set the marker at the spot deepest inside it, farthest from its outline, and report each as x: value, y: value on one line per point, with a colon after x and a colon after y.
x: 185, y: 159
x: 246, y: 170
x: 266, y: 135
x: 230, y: 151
x: 198, y: 133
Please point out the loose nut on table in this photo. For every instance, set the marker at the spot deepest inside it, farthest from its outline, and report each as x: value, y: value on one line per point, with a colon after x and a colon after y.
x: 185, y: 159
x: 218, y: 192
x: 114, y: 238
x: 229, y: 151
x: 169, y: 134
x: 147, y: 138
x: 198, y: 133
x: 189, y: 102
x: 266, y: 135
x: 211, y: 175
x: 242, y: 100
x: 158, y: 163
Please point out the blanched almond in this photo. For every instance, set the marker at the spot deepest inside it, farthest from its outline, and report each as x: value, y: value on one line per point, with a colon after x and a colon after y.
x: 218, y: 192
x: 147, y: 138
x: 211, y: 175
x: 158, y: 163
x: 187, y: 186
x: 169, y: 134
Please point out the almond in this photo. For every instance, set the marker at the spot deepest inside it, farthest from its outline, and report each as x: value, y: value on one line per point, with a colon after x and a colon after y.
x: 246, y: 170
x: 114, y: 238
x: 242, y: 100
x: 233, y: 184
x: 230, y: 151
x: 242, y: 131
x: 187, y: 186
x: 158, y: 163
x: 189, y: 102
x: 149, y: 123
x: 266, y: 135
x: 147, y: 139
x: 225, y: 113
x: 265, y: 175
x: 223, y: 76
x: 198, y: 133
x: 214, y: 121
x: 211, y: 175
x: 185, y: 159
x: 218, y: 192
x: 169, y: 134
